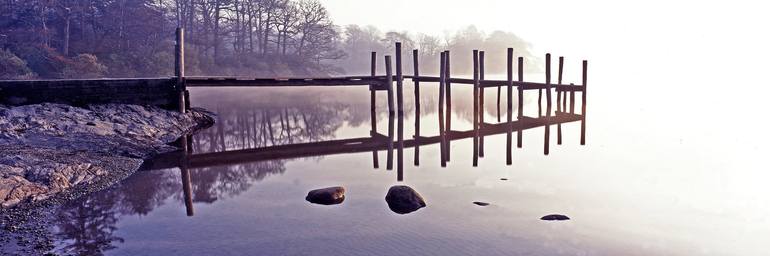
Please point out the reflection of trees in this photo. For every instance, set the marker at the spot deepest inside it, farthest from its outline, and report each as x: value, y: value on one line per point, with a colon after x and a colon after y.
x: 241, y: 127
x: 210, y: 184
x: 88, y: 227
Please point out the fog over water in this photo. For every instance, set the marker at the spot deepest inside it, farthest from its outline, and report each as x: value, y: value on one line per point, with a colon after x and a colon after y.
x: 674, y: 162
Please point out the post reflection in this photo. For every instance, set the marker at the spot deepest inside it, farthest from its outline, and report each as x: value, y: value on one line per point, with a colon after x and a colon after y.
x: 249, y: 144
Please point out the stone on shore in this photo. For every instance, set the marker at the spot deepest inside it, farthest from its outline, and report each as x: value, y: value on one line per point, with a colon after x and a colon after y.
x: 326, y: 196
x: 403, y: 199
x: 553, y: 217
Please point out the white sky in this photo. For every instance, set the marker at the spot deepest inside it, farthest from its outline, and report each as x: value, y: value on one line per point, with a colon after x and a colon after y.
x: 710, y: 58
x: 581, y: 29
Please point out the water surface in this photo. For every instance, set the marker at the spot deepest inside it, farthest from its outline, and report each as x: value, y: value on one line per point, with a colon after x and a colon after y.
x: 646, y: 183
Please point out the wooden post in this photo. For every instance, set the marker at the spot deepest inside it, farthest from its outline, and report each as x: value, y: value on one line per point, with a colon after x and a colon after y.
x: 399, y: 80
x: 558, y: 100
x: 389, y: 84
x: 187, y: 189
x: 547, y: 140
x: 415, y: 57
x: 583, y: 113
x: 564, y: 99
x: 372, y: 89
x: 508, y: 138
x: 389, y: 164
x: 448, y: 88
x: 481, y: 102
x: 441, y: 89
x: 520, y: 117
x: 475, y: 107
x: 400, y: 150
x: 179, y: 69
x: 186, y: 180
x: 373, y: 109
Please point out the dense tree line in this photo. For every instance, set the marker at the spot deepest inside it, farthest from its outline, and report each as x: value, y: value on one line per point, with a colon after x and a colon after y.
x: 360, y: 41
x: 125, y: 38
x: 135, y: 38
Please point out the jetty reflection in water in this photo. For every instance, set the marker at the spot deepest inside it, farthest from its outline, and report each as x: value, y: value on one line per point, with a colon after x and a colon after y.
x: 252, y: 142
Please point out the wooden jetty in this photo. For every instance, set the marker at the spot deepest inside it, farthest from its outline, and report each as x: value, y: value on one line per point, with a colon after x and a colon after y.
x: 391, y: 142
x: 395, y: 101
x: 394, y: 74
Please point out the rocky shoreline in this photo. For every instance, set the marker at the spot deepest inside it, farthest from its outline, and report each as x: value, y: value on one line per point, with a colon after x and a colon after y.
x: 53, y: 153
x: 50, y: 150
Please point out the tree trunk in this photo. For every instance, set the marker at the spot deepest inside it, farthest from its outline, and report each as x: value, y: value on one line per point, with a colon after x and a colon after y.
x: 216, y: 30
x: 66, y: 44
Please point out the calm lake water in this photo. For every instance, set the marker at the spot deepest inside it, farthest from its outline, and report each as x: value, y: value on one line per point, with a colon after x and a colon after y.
x: 655, y: 178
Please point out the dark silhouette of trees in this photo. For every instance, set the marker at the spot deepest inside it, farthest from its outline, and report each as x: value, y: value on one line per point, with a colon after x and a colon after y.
x: 131, y: 38
x: 135, y: 38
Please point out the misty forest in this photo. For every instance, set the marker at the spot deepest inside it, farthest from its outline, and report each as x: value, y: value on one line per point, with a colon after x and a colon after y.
x: 65, y: 39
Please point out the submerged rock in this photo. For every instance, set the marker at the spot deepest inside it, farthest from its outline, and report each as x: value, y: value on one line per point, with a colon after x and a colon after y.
x: 480, y: 203
x: 553, y: 217
x: 403, y: 199
x: 326, y: 196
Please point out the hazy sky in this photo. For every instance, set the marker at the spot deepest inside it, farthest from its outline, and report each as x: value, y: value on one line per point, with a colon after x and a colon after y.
x: 579, y: 28
x: 634, y: 48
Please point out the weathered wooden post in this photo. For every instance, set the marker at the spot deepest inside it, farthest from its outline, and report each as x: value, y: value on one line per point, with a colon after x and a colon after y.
x: 441, y: 90
x: 373, y: 109
x: 389, y: 84
x: 583, y: 120
x: 186, y: 180
x: 448, y: 90
x: 179, y: 70
x: 372, y: 87
x: 389, y: 164
x: 416, y: 66
x: 509, y: 137
x: 475, y: 107
x: 400, y: 150
x: 558, y: 99
x: 399, y: 81
x: 520, y: 117
x: 547, y: 140
x: 187, y: 188
x: 481, y: 102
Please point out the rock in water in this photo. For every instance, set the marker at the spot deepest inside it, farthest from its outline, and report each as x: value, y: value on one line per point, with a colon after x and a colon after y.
x: 403, y: 199
x: 326, y: 196
x: 481, y: 203
x: 555, y: 217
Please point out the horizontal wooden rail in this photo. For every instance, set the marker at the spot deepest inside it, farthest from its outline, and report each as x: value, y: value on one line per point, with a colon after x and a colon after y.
x: 268, y: 82
x: 496, y: 83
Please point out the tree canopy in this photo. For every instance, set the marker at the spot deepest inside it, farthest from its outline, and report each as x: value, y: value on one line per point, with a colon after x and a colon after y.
x: 135, y: 38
